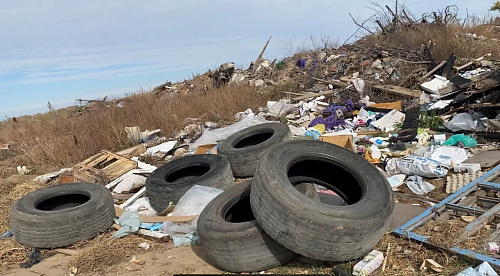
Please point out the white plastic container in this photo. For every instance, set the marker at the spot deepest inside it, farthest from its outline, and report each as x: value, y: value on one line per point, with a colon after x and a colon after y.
x: 467, y: 168
x: 370, y: 263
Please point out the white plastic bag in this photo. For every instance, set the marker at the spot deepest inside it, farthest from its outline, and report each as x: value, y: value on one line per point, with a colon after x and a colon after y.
x: 217, y: 135
x: 483, y: 269
x: 448, y: 155
x: 191, y: 203
x: 461, y: 121
x: 142, y: 207
x: 416, y: 165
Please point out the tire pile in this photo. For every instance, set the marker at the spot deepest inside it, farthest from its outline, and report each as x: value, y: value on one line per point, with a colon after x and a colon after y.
x: 256, y: 225
x: 265, y: 222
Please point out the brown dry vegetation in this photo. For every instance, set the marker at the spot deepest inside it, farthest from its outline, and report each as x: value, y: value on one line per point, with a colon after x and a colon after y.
x: 65, y: 140
x: 62, y: 139
x: 444, y: 38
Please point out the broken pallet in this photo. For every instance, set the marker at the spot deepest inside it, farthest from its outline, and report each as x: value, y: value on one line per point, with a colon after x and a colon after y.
x: 103, y: 168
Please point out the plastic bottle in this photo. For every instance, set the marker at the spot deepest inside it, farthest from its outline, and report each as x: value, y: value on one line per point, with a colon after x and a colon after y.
x: 379, y: 142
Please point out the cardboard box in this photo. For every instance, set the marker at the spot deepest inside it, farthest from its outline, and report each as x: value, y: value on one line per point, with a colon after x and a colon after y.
x: 344, y: 141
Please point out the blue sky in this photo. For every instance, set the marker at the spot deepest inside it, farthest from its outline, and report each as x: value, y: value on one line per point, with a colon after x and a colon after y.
x: 59, y: 51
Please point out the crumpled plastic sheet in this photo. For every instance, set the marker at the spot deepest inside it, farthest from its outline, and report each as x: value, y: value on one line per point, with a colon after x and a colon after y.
x: 483, y: 269
x: 461, y: 121
x: 417, y: 185
x: 130, y: 223
x: 190, y: 239
x: 217, y: 135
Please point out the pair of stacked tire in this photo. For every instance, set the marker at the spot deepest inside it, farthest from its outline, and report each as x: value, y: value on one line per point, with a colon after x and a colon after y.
x: 265, y: 222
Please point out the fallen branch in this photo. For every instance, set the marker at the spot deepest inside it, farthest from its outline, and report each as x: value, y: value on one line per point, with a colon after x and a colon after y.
x: 359, y: 25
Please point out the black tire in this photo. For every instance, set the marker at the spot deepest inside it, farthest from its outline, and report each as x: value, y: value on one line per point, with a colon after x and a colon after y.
x: 317, y: 230
x: 233, y: 239
x: 244, y: 148
x: 62, y: 215
x: 171, y: 181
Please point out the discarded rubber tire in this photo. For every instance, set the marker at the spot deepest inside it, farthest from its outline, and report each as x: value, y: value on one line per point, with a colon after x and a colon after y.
x: 244, y: 148
x: 62, y: 215
x: 171, y: 181
x: 317, y: 230
x: 233, y: 239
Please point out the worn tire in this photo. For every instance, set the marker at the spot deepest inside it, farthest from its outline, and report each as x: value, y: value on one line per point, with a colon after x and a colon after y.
x: 317, y: 230
x: 241, y: 245
x: 62, y: 215
x: 171, y: 181
x: 244, y: 148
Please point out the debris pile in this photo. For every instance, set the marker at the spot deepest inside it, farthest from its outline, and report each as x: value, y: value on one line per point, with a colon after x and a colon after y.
x: 424, y: 128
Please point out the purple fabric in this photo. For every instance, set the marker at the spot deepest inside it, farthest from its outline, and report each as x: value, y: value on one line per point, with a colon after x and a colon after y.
x: 315, y: 63
x: 332, y: 120
x: 302, y: 62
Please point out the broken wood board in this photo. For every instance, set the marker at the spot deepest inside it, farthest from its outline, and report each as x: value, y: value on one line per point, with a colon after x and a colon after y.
x: 103, y: 168
x: 155, y: 235
x: 313, y: 95
x: 154, y: 219
x: 131, y: 200
x: 398, y: 90
x: 433, y: 70
x: 487, y: 159
x: 335, y: 83
x: 133, y: 151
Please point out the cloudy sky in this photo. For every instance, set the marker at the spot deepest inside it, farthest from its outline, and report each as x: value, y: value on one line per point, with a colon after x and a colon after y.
x: 59, y: 51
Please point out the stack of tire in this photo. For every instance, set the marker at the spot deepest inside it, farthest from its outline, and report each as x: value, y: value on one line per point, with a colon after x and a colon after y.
x: 266, y: 221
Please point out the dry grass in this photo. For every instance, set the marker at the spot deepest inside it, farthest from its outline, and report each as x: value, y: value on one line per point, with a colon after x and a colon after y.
x: 12, y: 189
x: 444, y: 233
x: 104, y: 251
x: 444, y: 39
x: 64, y: 140
x: 12, y: 254
x: 405, y: 258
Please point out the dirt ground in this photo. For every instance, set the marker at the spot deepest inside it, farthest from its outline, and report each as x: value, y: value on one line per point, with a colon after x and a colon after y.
x: 187, y: 260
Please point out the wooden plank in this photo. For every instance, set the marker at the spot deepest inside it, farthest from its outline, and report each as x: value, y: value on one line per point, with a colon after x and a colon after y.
x: 324, y: 93
x: 131, y: 200
x: 477, y: 224
x: 398, y: 90
x: 433, y: 70
x: 487, y: 159
x: 334, y: 83
x: 155, y: 219
x: 91, y: 169
x: 297, y: 93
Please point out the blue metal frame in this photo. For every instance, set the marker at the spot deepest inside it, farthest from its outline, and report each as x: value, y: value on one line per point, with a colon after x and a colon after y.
x: 407, y: 228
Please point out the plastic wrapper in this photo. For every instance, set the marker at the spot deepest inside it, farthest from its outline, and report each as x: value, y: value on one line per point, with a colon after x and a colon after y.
x: 130, y: 223
x: 191, y: 203
x: 417, y: 185
x: 462, y: 139
x: 449, y: 155
x: 220, y: 134
x: 416, y: 165
x: 461, y: 121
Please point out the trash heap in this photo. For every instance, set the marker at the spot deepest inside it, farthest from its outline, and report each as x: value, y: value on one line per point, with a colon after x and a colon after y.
x: 427, y: 127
